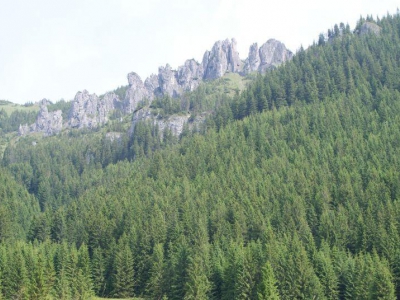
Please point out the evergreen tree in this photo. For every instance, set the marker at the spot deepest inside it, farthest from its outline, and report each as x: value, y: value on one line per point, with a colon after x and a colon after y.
x: 155, y: 285
x: 123, y: 278
x: 267, y: 288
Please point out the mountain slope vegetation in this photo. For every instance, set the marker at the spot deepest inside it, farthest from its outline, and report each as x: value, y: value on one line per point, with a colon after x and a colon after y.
x: 290, y: 190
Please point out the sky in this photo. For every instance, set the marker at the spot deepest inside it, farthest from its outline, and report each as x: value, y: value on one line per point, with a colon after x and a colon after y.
x: 53, y: 49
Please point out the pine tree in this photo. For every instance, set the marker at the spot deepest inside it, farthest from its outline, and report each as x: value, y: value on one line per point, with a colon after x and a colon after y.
x: 40, y: 289
x: 98, y: 272
x: 327, y: 276
x: 267, y: 288
x: 178, y: 263
x: 62, y: 284
x: 85, y: 287
x: 198, y: 286
x: 383, y: 287
x: 123, y: 279
x: 155, y: 285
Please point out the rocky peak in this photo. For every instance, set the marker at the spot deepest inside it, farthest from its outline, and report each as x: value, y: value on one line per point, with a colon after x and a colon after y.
x: 167, y: 82
x: 88, y: 110
x: 136, y: 93
x: 221, y: 59
x: 190, y: 75
x: 152, y: 86
x: 269, y: 55
x: 83, y: 106
x: 253, y: 61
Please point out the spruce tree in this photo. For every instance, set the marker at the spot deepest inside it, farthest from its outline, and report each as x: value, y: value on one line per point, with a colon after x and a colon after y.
x: 124, y: 276
x: 267, y: 288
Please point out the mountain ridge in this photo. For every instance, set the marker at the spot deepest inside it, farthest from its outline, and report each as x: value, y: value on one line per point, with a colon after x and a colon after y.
x: 90, y: 111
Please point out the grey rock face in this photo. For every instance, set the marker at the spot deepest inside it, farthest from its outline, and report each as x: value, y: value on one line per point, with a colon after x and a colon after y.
x: 47, y: 122
x: 107, y: 103
x: 90, y: 111
x: 221, y: 59
x: 167, y: 82
x: 270, y: 55
x: 253, y: 61
x: 152, y: 86
x: 135, y: 94
x: 174, y: 123
x: 143, y: 114
x: 190, y: 75
x: 369, y: 27
x: 83, y: 110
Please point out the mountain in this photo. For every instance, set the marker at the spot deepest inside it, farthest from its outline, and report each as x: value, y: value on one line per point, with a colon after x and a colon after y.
x: 90, y: 111
x: 288, y: 189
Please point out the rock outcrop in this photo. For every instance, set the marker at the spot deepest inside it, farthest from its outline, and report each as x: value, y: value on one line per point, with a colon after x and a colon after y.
x: 222, y: 58
x: 152, y: 86
x: 89, y: 111
x: 136, y: 93
x: 174, y: 123
x: 369, y: 27
x: 190, y: 75
x: 270, y: 55
x: 168, y: 83
x: 48, y: 123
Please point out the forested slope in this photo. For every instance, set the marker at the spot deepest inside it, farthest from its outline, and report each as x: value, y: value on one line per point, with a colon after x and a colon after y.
x: 290, y: 191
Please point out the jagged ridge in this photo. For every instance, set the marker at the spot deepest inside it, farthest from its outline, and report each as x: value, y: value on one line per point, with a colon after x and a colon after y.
x: 89, y: 111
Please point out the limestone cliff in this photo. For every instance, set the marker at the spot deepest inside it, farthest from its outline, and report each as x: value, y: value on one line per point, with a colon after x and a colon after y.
x: 90, y: 111
x: 269, y: 55
x: 48, y: 123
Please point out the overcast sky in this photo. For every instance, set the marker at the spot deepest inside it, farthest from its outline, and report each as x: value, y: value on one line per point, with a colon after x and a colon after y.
x: 52, y: 49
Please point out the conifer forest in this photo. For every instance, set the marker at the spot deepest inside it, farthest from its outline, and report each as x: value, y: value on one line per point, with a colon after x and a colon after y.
x: 289, y: 189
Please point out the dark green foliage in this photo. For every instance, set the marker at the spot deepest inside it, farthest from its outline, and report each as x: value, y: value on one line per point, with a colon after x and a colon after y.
x: 156, y: 286
x: 121, y: 91
x: 9, y: 123
x: 124, y: 275
x: 166, y: 105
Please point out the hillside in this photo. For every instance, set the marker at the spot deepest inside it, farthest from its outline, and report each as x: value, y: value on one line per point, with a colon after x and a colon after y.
x: 289, y: 189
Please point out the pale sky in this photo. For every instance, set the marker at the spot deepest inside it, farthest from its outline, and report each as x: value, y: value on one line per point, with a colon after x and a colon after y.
x: 53, y: 49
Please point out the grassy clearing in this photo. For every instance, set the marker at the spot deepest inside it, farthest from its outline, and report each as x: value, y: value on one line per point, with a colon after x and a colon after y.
x: 9, y: 107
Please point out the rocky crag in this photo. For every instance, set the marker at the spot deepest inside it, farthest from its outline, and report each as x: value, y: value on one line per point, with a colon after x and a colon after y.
x: 173, y: 123
x: 48, y: 123
x: 90, y: 111
x: 369, y: 27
